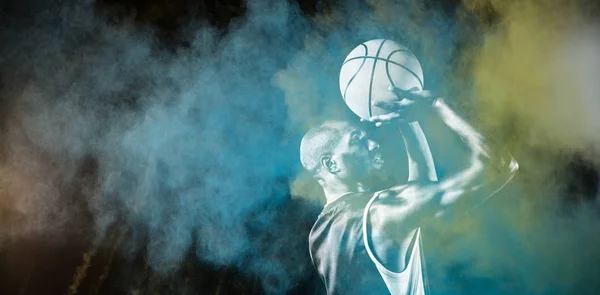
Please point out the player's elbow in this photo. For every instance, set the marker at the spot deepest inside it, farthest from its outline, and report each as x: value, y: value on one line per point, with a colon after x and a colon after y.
x: 514, y: 165
x: 503, y: 163
x: 511, y: 165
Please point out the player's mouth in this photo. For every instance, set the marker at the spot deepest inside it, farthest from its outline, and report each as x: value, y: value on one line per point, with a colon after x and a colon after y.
x: 377, y: 160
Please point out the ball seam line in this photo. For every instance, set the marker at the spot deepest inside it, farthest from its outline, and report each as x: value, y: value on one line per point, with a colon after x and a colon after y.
x: 357, y: 57
x: 357, y: 71
x: 373, y: 73
x: 387, y: 69
x: 393, y: 62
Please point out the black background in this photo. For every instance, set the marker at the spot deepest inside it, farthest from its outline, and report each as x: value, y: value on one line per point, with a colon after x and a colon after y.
x: 32, y: 266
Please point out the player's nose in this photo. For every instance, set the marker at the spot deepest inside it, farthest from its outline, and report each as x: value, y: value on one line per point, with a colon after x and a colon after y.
x: 372, y: 145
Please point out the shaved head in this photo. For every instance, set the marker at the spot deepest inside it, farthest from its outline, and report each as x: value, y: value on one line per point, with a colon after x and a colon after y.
x: 321, y: 140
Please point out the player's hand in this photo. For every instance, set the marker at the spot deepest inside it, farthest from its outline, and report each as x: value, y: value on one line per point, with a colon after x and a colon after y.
x: 410, y: 106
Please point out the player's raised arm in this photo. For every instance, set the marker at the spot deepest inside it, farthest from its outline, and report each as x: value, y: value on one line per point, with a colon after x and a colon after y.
x: 468, y: 185
x: 421, y: 168
x: 470, y: 182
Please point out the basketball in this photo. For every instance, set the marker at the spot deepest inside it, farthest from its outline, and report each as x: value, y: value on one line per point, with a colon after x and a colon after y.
x: 371, y: 68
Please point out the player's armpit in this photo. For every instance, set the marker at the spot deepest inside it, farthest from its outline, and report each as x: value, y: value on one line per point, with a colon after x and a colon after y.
x: 403, y: 206
x: 389, y: 224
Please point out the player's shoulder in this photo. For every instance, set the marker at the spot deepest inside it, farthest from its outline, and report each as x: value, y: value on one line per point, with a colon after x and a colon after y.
x: 358, y: 201
x: 348, y: 205
x: 344, y: 213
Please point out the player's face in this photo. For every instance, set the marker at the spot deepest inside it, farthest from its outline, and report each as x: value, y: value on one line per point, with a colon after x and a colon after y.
x: 356, y: 155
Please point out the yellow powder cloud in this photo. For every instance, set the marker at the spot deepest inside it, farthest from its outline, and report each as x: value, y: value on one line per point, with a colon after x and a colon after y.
x: 538, y: 65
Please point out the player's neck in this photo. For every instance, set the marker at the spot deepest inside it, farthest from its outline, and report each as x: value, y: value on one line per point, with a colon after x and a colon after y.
x: 334, y: 191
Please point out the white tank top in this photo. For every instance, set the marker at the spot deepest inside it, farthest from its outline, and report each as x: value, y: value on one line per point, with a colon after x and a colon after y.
x: 411, y: 281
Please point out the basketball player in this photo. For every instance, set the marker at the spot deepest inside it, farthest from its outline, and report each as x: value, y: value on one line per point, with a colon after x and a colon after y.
x: 366, y: 242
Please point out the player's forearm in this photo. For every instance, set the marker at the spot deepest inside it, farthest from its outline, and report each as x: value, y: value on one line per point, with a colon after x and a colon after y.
x: 420, y: 160
x: 479, y: 149
x: 482, y: 155
x: 410, y: 204
x: 474, y: 141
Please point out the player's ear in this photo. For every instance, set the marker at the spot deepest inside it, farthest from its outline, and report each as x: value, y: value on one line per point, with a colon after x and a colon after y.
x: 329, y: 164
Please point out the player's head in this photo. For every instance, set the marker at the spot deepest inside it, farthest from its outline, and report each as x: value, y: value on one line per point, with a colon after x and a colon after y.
x: 338, y: 150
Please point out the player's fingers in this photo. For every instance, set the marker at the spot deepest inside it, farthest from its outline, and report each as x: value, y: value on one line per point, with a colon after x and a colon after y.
x: 412, y: 92
x: 399, y: 92
x: 418, y: 94
x: 378, y: 123
x: 386, y: 117
x: 393, y: 105
x: 388, y: 121
x: 381, y: 119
